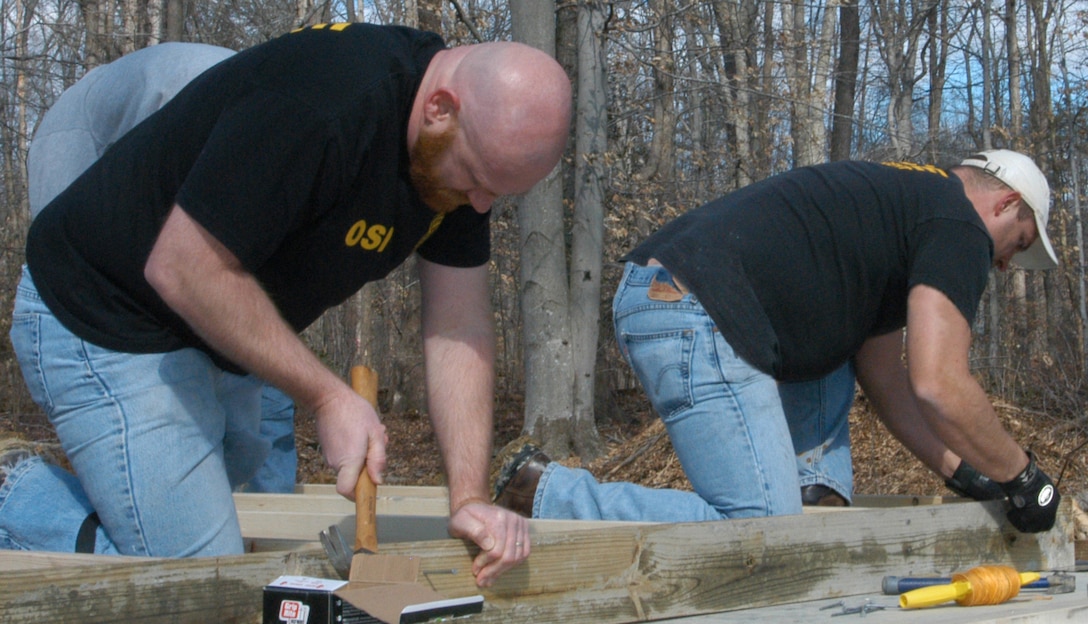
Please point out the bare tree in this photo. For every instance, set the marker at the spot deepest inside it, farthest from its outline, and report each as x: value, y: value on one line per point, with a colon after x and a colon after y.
x: 96, y: 14
x: 588, y: 222
x: 735, y: 22
x: 937, y: 48
x: 659, y: 158
x: 846, y: 79
x: 545, y: 299
x: 899, y: 25
x: 807, y: 73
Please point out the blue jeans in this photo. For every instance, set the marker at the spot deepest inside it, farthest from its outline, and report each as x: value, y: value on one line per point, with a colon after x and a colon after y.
x: 734, y: 428
x: 277, y: 474
x: 157, y: 442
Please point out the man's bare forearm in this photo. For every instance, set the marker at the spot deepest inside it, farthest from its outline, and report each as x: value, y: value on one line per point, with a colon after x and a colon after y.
x: 459, y: 349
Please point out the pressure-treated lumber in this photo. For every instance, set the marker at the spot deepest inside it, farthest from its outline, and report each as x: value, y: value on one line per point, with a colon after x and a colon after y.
x: 411, y: 513
x: 405, y: 514
x: 116, y: 589
x: 657, y: 571
x: 618, y: 573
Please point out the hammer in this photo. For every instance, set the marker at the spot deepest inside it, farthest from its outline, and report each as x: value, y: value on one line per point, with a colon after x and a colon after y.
x: 364, y: 381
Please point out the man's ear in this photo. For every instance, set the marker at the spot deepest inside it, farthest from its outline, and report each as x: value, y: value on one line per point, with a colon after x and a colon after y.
x: 1009, y: 201
x: 441, y: 105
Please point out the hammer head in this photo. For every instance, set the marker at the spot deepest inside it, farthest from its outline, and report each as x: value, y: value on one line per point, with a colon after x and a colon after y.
x: 1061, y: 583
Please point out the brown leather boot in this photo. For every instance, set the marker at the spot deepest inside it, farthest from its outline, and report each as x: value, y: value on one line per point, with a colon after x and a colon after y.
x: 818, y: 495
x: 515, y: 487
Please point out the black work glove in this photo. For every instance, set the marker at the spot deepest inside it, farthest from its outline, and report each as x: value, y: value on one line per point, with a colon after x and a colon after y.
x: 967, y: 481
x: 1034, y: 499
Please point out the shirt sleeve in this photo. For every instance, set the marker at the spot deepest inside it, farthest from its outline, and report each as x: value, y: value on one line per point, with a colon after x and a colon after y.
x: 954, y: 257
x: 463, y: 239
x: 249, y: 193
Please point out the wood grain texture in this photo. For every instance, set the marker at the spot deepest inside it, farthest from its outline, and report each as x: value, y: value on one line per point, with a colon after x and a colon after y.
x: 623, y: 572
x: 626, y: 574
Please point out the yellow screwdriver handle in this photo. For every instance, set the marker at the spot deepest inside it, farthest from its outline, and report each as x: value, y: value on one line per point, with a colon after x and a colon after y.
x: 934, y: 595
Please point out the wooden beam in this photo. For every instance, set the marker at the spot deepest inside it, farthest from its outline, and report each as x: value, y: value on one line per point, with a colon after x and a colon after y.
x: 411, y: 514
x: 405, y: 514
x: 116, y: 589
x: 619, y: 573
x: 671, y: 570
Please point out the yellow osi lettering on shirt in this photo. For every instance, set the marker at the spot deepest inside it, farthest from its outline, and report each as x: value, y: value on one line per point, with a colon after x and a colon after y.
x: 375, y: 237
x: 338, y: 26
x: 915, y: 167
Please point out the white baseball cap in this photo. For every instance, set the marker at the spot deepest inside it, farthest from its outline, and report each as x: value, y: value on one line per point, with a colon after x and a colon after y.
x: 1021, y: 175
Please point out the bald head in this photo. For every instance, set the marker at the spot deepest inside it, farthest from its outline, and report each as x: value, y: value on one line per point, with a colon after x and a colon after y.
x: 516, y: 104
x: 510, y: 102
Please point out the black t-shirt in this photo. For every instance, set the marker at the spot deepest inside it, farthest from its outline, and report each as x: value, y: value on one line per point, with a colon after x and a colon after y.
x: 798, y: 270
x: 293, y: 154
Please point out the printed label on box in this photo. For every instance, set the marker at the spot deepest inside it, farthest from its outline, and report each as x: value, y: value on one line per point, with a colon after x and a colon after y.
x: 294, y: 612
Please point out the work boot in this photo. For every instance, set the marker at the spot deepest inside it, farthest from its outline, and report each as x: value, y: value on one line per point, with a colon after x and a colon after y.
x: 515, y: 486
x: 819, y: 495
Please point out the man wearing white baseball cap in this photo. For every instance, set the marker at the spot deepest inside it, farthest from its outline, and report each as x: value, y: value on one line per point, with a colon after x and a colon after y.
x: 748, y: 320
x: 1019, y: 173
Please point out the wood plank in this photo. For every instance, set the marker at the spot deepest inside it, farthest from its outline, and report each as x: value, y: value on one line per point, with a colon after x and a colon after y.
x: 400, y: 501
x: 29, y: 560
x: 411, y: 513
x: 223, y: 589
x: 1030, y: 607
x: 657, y: 571
x: 388, y: 491
x: 615, y: 574
x: 405, y: 514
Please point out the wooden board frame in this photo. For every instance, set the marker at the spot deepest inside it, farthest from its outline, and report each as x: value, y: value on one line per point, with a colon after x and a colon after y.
x: 590, y: 572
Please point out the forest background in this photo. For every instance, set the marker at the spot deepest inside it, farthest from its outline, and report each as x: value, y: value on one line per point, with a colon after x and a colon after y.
x: 678, y: 102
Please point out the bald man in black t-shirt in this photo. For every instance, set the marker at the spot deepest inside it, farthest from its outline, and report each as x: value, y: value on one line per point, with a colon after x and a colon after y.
x: 174, y: 275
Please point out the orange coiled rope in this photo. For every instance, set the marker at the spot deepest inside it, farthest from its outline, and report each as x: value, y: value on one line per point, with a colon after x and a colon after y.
x: 984, y: 585
x: 990, y: 585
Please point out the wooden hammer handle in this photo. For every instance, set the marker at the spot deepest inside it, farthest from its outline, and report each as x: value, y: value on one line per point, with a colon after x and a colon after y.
x: 364, y: 381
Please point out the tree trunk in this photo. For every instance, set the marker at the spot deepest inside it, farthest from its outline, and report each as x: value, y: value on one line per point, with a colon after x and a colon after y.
x: 96, y: 47
x: 1023, y: 317
x: 591, y: 132
x: 938, y: 61
x: 659, y: 158
x: 846, y: 79
x: 1042, y: 134
x: 734, y: 28
x: 175, y: 21
x: 807, y: 81
x: 898, y: 28
x: 545, y: 304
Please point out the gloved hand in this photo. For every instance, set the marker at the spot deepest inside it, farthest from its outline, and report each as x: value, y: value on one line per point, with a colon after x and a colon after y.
x: 969, y: 482
x: 1034, y: 499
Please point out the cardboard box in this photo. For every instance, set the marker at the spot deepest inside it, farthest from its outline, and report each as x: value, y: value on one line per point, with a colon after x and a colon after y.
x: 381, y: 588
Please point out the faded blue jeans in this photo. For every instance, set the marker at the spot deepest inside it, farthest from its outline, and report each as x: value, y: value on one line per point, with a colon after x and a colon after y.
x: 277, y: 474
x: 746, y: 442
x: 157, y: 442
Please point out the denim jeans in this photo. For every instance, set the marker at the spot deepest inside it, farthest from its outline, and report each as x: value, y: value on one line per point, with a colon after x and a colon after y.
x: 277, y: 474
x: 734, y: 428
x: 157, y: 442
